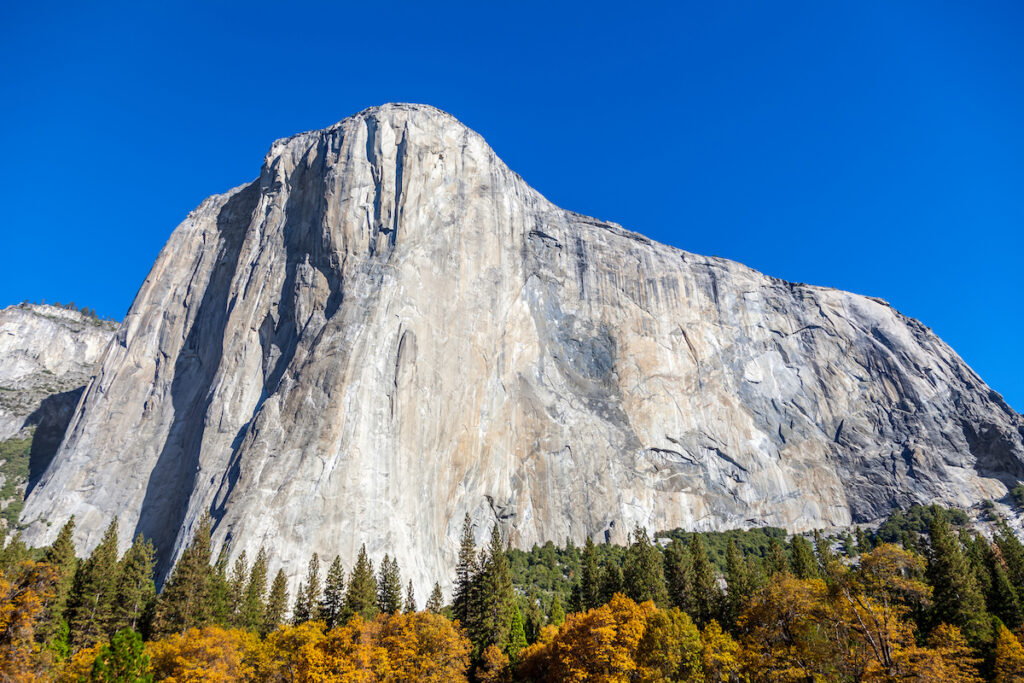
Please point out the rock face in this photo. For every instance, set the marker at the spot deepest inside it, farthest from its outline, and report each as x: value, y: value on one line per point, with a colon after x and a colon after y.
x: 47, y: 356
x: 389, y: 329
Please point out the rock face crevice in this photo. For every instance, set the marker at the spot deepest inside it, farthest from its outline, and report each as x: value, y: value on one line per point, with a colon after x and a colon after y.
x: 390, y: 329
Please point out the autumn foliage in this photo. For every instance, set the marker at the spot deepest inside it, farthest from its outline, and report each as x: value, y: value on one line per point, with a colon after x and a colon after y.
x: 946, y: 611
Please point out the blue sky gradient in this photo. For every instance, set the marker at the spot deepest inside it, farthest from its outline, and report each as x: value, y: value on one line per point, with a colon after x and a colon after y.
x: 875, y: 147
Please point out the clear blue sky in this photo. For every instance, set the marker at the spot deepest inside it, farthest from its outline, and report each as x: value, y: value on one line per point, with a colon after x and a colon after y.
x: 871, y: 146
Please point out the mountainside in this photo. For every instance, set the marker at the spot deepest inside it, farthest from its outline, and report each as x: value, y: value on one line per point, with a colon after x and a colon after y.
x: 389, y: 329
x: 47, y: 355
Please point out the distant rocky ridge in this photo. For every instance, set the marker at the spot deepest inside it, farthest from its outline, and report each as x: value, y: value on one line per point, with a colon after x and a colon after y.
x: 47, y: 356
x: 389, y: 329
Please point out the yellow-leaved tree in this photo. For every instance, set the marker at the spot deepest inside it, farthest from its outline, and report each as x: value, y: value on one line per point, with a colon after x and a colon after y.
x: 204, y: 655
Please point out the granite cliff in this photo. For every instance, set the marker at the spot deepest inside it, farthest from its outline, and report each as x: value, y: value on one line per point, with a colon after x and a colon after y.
x: 47, y: 356
x: 389, y: 329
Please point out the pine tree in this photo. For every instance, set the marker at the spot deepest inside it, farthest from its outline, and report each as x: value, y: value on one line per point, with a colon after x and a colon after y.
x: 361, y: 596
x: 828, y: 563
x: 533, y: 618
x: 1012, y: 551
x: 590, y: 578
x: 643, y: 576
x: 956, y: 599
x: 334, y: 594
x: 739, y: 581
x: 124, y: 658
x: 802, y: 559
x: 516, y: 634
x: 13, y: 554
x: 300, y: 610
x: 776, y: 562
x: 976, y: 551
x: 706, y: 591
x: 679, y: 575
x: 465, y: 574
x: 495, y: 598
x: 253, y: 600
x: 863, y: 542
x: 1002, y: 598
x: 556, y: 614
x: 94, y: 591
x: 237, y: 583
x: 307, y: 601
x: 186, y: 599
x: 435, y: 603
x: 849, y: 545
x: 277, y: 604
x: 135, y: 589
x: 389, y: 587
x: 410, y: 600
x: 62, y: 556
x: 220, y: 591
x: 611, y: 581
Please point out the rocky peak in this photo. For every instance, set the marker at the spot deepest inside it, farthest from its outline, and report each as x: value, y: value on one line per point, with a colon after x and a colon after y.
x: 389, y: 329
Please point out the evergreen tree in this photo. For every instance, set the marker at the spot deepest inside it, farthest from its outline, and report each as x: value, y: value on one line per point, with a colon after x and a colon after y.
x: 307, y: 600
x: 237, y: 583
x: 533, y: 617
x: 465, y: 574
x: 13, y: 554
x: 863, y: 542
x: 643, y: 576
x: 802, y: 559
x: 334, y: 594
x: 1012, y: 551
x: 976, y: 551
x: 361, y: 596
x: 556, y: 615
x: 122, y: 660
x: 300, y: 610
x: 828, y: 562
x: 575, y: 599
x: 956, y: 599
x: 611, y: 581
x: 435, y: 603
x: 253, y: 600
x: 94, y: 591
x: 185, y: 601
x: 495, y: 598
x: 220, y: 590
x: 389, y: 587
x: 277, y: 604
x: 739, y: 581
x: 516, y: 634
x: 62, y: 556
x: 590, y: 578
x: 706, y: 591
x: 776, y: 562
x: 1002, y: 598
x: 410, y: 599
x: 135, y: 589
x: 679, y: 575
x: 849, y: 545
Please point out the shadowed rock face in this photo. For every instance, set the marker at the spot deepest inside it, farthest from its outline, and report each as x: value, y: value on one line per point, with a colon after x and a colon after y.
x: 47, y: 355
x: 389, y: 329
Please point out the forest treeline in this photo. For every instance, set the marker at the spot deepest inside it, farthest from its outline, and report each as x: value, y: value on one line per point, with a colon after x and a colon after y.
x: 925, y: 597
